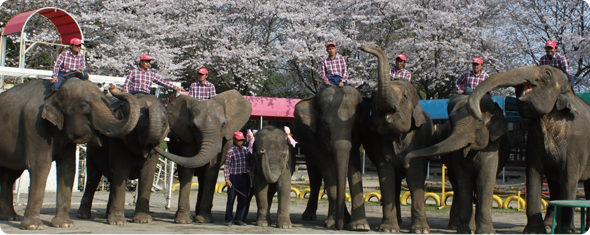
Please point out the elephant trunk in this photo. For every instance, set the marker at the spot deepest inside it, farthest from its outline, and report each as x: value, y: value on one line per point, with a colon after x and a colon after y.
x: 271, y: 174
x: 510, y: 78
x: 457, y: 141
x: 155, y: 125
x: 105, y: 123
x: 342, y: 155
x: 385, y: 98
x: 209, y: 149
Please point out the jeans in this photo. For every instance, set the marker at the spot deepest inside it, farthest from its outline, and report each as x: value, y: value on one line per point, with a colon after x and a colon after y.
x: 135, y: 92
x: 241, y: 183
x: 61, y: 79
x: 334, y: 81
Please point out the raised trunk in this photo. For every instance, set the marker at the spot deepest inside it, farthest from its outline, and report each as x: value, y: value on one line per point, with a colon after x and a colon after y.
x: 155, y: 125
x: 455, y: 142
x: 209, y: 149
x: 385, y: 98
x: 510, y: 78
x: 104, y: 122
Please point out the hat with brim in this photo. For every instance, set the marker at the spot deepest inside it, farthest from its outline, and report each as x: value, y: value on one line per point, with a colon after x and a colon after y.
x: 145, y: 57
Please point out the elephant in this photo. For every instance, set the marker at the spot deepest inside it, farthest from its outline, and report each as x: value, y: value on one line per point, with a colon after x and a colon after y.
x: 397, y: 126
x: 127, y: 157
x: 557, y: 142
x: 272, y: 163
x: 476, y: 150
x: 42, y: 127
x: 200, y: 135
x: 328, y: 128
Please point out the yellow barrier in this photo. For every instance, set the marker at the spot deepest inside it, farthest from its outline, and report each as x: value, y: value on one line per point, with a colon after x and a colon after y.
x: 443, y: 200
x: 498, y: 201
x: 304, y: 192
x: 404, y: 199
x: 544, y: 203
x: 220, y: 188
x: 521, y: 203
x: 321, y: 194
x: 433, y: 196
x: 348, y: 198
x: 192, y: 186
x: 371, y: 195
x: 296, y: 191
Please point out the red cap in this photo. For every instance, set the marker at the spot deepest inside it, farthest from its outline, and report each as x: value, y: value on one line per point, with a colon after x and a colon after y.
x: 551, y: 44
x: 76, y: 41
x: 401, y: 56
x: 330, y: 44
x: 203, y: 71
x: 239, y: 135
x: 477, y: 60
x: 145, y: 57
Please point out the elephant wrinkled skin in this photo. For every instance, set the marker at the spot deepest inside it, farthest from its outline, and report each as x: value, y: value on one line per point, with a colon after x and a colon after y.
x: 200, y: 135
x: 475, y: 151
x: 557, y: 142
x: 127, y: 157
x: 38, y: 131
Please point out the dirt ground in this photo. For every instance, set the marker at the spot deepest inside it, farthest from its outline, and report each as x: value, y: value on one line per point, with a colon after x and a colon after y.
x: 164, y: 220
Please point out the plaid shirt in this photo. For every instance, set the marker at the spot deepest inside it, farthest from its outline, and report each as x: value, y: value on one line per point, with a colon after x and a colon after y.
x: 401, y: 74
x: 237, y: 161
x: 138, y: 80
x: 332, y: 68
x: 202, y: 91
x: 68, y: 62
x: 469, y: 80
x: 558, y: 61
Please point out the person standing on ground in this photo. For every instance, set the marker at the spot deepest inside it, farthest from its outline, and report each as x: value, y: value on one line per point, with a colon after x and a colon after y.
x: 237, y: 177
x: 470, y: 79
x: 556, y: 60
x: 202, y: 89
x: 140, y: 79
x: 398, y: 72
x: 333, y: 69
x: 69, y: 61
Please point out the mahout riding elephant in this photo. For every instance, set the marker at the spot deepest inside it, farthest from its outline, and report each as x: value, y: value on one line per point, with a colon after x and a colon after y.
x: 127, y: 157
x: 327, y: 127
x: 557, y: 141
x: 397, y: 126
x: 200, y: 135
x: 40, y: 128
x: 272, y: 162
x: 476, y: 150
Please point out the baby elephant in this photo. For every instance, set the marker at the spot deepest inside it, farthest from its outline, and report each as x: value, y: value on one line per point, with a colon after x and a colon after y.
x: 272, y: 162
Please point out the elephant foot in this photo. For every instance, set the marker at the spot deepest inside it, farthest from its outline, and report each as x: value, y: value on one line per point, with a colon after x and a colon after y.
x: 535, y: 229
x: 84, y: 213
x: 420, y: 228
x: 485, y: 230
x: 465, y: 231
x: 11, y: 215
x: 284, y: 222
x: 204, y: 218
x: 32, y: 223
x: 142, y: 218
x: 116, y: 219
x: 330, y: 222
x: 62, y: 222
x: 308, y: 216
x: 183, y: 218
x: 359, y: 225
x: 389, y: 228
x: 263, y: 223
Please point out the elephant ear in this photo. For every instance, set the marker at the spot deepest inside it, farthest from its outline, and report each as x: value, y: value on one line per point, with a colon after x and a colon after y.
x: 497, y: 124
x: 52, y: 111
x: 306, y: 112
x: 237, y: 111
x: 565, y: 101
x: 418, y: 116
x: 179, y: 117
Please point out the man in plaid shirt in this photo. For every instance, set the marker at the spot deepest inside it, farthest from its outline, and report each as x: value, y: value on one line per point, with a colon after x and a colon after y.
x: 470, y: 79
x: 556, y: 60
x: 69, y: 61
x: 333, y: 69
x: 398, y: 72
x: 140, y: 79
x: 202, y: 89
x: 237, y: 177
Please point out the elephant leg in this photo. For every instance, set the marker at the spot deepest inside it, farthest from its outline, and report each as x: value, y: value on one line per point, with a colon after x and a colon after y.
x: 463, y: 197
x: 415, y: 176
x: 454, y: 219
x: 486, y: 179
x: 315, y: 183
x: 144, y: 189
x: 66, y: 172
x: 569, y: 184
x: 554, y: 191
x: 7, y: 179
x: 261, y: 190
x: 284, y: 191
x: 396, y: 198
x: 355, y: 182
x: 183, y: 214
x: 330, y: 188
x: 272, y: 191
x: 118, y: 184
x: 38, y: 175
x: 205, y: 204
x: 587, y: 196
x: 387, y: 182
x: 533, y: 187
x: 93, y: 176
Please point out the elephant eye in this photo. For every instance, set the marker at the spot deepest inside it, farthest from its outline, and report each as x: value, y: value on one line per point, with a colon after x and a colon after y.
x: 85, y: 108
x: 222, y: 125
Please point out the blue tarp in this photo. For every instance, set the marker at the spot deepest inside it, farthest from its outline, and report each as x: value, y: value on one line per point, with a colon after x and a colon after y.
x: 437, y: 109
